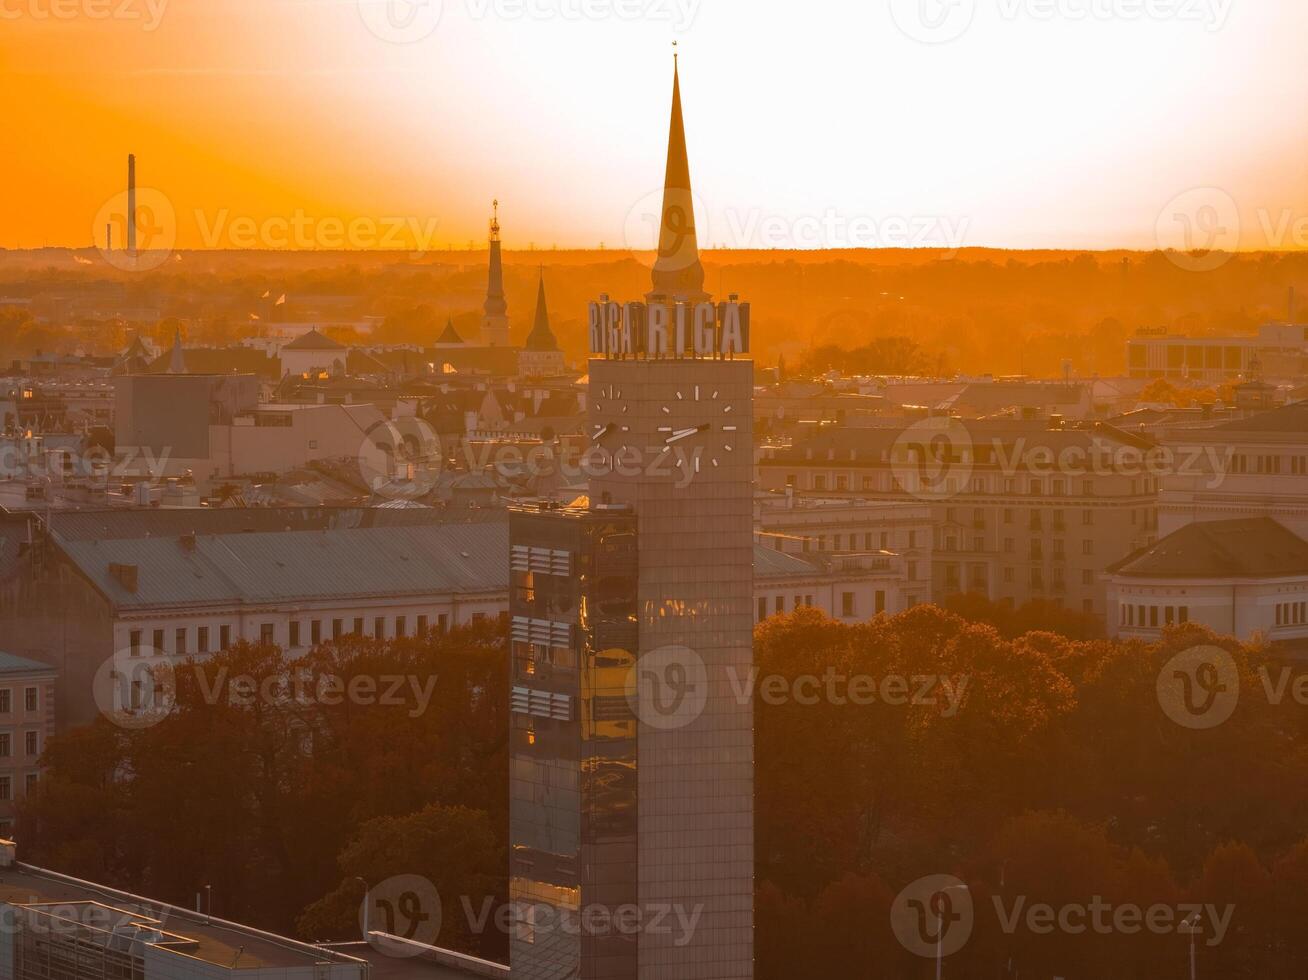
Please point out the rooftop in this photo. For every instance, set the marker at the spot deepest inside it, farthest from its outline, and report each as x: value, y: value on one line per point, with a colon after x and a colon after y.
x: 10, y: 664
x: 313, y: 340
x: 185, y: 933
x: 1256, y: 547
x: 259, y: 568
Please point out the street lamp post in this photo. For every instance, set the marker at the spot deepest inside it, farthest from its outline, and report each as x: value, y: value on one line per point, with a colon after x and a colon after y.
x: 365, y: 906
x: 1192, y: 924
x: 940, y: 929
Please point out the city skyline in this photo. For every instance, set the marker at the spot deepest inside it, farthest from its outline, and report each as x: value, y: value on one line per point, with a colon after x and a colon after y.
x: 362, y: 129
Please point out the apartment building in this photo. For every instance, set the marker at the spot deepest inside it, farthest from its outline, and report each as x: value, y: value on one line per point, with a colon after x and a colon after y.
x: 1020, y: 509
x: 1250, y: 467
x: 126, y: 586
x: 27, y: 715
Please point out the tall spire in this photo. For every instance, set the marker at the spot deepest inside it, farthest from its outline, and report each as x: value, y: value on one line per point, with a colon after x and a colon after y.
x: 541, y: 336
x: 177, y: 360
x: 677, y: 271
x: 495, y: 324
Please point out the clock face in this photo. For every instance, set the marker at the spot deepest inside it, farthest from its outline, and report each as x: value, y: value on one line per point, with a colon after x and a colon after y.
x: 608, y: 401
x: 709, y: 442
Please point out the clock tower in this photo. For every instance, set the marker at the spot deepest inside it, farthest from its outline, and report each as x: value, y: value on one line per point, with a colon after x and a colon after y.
x: 670, y: 421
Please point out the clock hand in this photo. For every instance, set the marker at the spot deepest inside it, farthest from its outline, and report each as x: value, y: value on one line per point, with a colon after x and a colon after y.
x: 684, y: 434
x: 602, y: 431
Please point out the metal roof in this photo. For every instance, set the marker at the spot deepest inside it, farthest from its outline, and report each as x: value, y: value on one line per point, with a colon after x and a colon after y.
x: 770, y: 563
x: 1255, y: 547
x: 10, y: 664
x: 287, y: 566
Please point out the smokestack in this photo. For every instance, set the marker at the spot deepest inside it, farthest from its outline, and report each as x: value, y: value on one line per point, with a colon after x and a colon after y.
x: 108, y: 236
x: 131, y: 203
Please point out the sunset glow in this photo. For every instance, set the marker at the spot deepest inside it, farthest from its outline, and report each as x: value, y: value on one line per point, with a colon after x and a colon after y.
x: 1068, y: 123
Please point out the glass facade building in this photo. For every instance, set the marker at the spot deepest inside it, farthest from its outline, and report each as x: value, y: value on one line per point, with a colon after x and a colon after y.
x: 573, y: 818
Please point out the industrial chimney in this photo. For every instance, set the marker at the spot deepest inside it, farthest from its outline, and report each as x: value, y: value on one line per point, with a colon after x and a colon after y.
x: 131, y: 204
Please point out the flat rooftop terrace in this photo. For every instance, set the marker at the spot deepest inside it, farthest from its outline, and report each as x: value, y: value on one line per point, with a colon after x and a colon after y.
x: 210, y: 940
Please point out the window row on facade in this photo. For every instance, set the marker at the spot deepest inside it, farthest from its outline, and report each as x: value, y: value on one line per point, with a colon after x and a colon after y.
x: 184, y: 641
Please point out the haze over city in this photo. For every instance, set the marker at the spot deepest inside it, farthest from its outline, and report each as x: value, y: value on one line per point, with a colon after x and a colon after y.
x: 653, y: 490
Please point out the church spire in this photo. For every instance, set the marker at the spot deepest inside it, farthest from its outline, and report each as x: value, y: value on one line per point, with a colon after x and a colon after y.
x: 495, y: 324
x: 677, y: 271
x: 177, y: 359
x: 541, y: 336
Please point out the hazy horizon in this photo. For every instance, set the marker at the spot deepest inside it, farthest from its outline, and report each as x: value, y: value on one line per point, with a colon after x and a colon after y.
x: 287, y: 124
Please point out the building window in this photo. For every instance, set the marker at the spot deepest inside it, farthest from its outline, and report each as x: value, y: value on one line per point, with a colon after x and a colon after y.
x: 202, y: 639
x: 846, y: 603
x: 379, y: 628
x: 6, y: 745
x: 159, y: 641
x: 31, y: 743
x: 422, y: 626
x: 1153, y: 616
x: 30, y: 700
x: 6, y: 700
x: 1087, y: 547
x: 180, y: 637
x: 267, y: 634
x: 224, y: 637
x: 294, y: 629
x: 358, y: 626
x: 1087, y: 518
x: 315, y: 632
x: 30, y: 782
x: 6, y: 788
x: 881, y: 600
x: 338, y: 628
x: 780, y: 604
x: 443, y: 622
x: 762, y: 608
x: 134, y: 642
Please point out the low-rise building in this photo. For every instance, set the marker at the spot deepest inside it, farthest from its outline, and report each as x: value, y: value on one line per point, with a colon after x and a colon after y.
x: 27, y: 717
x: 819, y: 527
x: 850, y: 587
x: 1241, y: 578
x: 1278, y: 350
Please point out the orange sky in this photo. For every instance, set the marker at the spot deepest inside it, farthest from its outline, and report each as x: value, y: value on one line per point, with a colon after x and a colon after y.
x: 1058, y: 123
